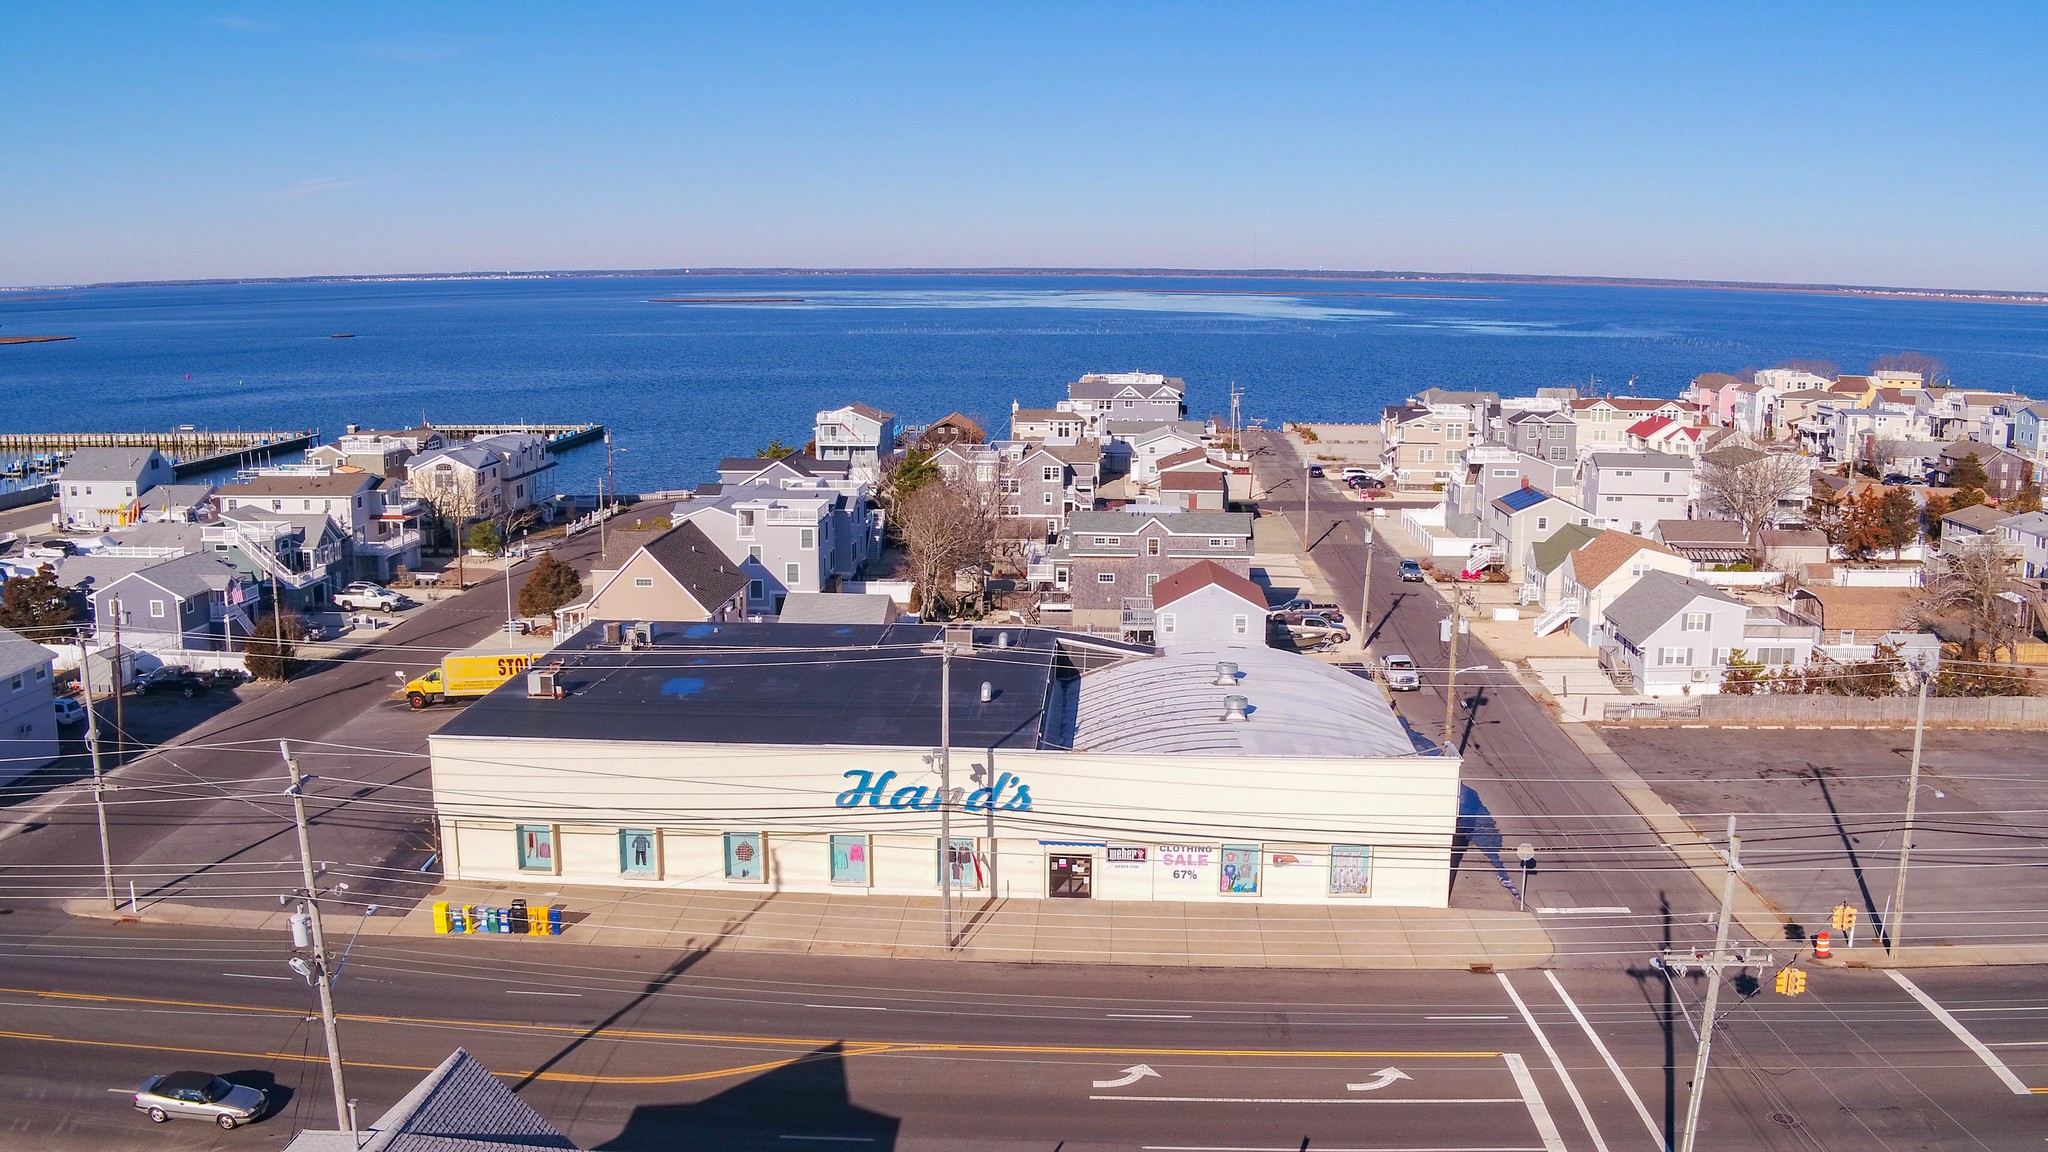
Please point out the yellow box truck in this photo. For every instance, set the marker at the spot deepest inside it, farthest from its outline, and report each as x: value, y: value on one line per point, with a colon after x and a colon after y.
x: 476, y: 670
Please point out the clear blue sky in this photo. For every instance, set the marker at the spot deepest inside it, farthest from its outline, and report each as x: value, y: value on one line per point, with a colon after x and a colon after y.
x: 1856, y: 143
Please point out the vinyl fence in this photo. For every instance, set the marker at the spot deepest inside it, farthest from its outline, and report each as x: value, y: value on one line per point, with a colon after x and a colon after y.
x: 1985, y: 711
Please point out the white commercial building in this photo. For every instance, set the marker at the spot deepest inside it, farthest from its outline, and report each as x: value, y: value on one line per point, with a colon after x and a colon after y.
x: 803, y: 758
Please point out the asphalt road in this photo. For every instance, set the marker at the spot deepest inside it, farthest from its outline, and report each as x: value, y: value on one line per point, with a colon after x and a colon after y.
x: 626, y: 1050
x: 1609, y: 881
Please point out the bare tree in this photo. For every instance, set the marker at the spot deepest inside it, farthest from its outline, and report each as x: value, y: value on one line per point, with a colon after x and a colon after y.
x: 1826, y: 369
x: 1931, y: 369
x: 946, y: 525
x: 1967, y: 585
x: 1746, y: 484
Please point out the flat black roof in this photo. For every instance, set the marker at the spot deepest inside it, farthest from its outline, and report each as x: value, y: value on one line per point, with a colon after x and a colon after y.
x: 794, y: 684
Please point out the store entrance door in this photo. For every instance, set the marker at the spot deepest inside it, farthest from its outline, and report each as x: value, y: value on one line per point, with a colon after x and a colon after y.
x: 1070, y: 877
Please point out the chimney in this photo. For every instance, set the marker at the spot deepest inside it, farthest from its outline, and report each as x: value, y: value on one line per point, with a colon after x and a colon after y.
x: 1236, y: 708
x: 1226, y: 674
x: 1525, y: 484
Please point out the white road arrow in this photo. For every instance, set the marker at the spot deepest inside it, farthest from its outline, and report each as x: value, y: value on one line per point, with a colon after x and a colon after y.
x: 1380, y: 1079
x: 1132, y: 1075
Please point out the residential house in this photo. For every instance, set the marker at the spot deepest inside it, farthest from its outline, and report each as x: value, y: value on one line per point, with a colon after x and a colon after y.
x: 1794, y: 409
x: 1663, y: 434
x: 380, y: 453
x: 1491, y: 471
x: 175, y: 504
x: 1857, y: 391
x: 1119, y: 439
x: 2005, y: 471
x: 2030, y: 432
x: 1713, y: 393
x: 1043, y: 482
x: 1673, y: 634
x: 1959, y: 413
x: 1597, y: 573
x: 1208, y: 605
x: 1524, y: 518
x: 1547, y: 434
x: 1045, y: 423
x: 1972, y: 526
x: 522, y: 459
x: 1195, y: 481
x: 98, y: 487
x: 1099, y: 396
x: 1422, y: 445
x: 1633, y: 490
x: 953, y: 428
x: 1854, y: 621
x: 783, y: 540
x: 196, y: 603
x: 1706, y: 542
x: 1604, y: 420
x: 837, y: 608
x: 2027, y: 536
x: 1783, y: 380
x: 1754, y: 405
x: 460, y: 484
x: 28, y: 717
x: 793, y: 471
x: 379, y: 524
x: 1543, y: 582
x: 679, y: 575
x: 1150, y: 447
x: 1111, y: 559
x: 300, y: 558
x: 862, y: 436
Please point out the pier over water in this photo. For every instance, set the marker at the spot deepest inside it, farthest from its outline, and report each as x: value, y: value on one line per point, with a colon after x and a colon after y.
x: 190, y: 450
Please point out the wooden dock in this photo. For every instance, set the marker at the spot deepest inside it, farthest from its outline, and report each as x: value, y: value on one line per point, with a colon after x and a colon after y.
x: 190, y: 450
x: 560, y: 437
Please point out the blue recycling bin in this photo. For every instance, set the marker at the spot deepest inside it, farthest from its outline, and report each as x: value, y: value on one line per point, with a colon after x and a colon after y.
x: 554, y: 919
x: 505, y: 921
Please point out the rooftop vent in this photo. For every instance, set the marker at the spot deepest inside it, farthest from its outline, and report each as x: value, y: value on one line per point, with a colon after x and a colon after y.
x: 643, y: 633
x: 544, y: 683
x: 1002, y: 639
x: 1226, y: 674
x: 960, y: 635
x: 611, y: 631
x: 988, y: 691
x: 1236, y: 708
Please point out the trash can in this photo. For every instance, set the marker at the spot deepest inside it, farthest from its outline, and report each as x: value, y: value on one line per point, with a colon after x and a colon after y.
x: 554, y: 919
x: 518, y: 913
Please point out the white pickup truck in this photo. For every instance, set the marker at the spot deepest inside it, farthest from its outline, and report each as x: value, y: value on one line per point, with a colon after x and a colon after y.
x: 1400, y: 673
x: 368, y: 597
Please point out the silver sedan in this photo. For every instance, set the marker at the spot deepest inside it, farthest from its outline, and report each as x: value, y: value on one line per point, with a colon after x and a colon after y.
x: 200, y: 1096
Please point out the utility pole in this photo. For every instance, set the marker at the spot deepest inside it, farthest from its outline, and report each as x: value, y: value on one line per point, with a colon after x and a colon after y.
x: 99, y: 780
x: 600, y: 515
x: 1712, y: 965
x: 322, y: 978
x: 120, y: 679
x: 1304, y: 506
x: 1365, y: 596
x: 1895, y: 922
x: 1456, y: 621
x: 946, y: 783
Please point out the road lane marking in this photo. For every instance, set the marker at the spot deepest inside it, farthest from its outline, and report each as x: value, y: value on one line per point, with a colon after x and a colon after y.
x: 2018, y: 1044
x: 1132, y: 1075
x: 850, y: 1007
x: 1613, y: 911
x: 1143, y: 1016
x: 523, y: 992
x: 1546, y: 1128
x: 253, y: 976
x: 2014, y: 1008
x: 833, y: 1139
x: 1571, y: 1089
x: 1311, y: 1100
x: 1465, y: 1017
x: 1297, y: 1148
x: 1656, y: 1135
x: 1991, y: 1060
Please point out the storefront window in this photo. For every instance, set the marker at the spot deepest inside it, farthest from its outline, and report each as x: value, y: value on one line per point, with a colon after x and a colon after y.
x: 849, y: 859
x: 1350, y: 870
x: 959, y: 858
x: 636, y: 853
x: 537, y: 847
x: 1240, y: 875
x: 743, y: 856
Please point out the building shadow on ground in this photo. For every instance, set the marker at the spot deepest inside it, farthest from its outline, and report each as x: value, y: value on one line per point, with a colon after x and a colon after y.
x: 804, y: 1103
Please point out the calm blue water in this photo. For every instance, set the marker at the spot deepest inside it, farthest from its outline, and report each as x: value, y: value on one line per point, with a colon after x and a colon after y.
x: 684, y: 384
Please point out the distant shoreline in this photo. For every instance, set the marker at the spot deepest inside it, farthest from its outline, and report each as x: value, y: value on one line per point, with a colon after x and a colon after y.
x: 1959, y: 295
x: 33, y: 339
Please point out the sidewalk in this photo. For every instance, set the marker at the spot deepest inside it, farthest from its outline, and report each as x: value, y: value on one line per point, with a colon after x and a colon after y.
x: 1016, y: 931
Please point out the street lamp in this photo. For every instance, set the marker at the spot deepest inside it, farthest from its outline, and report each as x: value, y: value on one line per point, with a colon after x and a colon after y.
x: 1895, y: 916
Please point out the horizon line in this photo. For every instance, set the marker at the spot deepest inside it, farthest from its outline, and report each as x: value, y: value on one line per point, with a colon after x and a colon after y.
x: 1989, y: 295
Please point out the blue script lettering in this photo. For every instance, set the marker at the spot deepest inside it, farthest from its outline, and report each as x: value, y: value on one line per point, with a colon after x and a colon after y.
x: 865, y: 787
x: 1021, y: 802
x: 984, y: 798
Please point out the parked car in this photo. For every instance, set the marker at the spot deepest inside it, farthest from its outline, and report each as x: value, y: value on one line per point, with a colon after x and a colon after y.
x: 1304, y: 604
x: 1315, y: 469
x: 1411, y: 571
x: 70, y: 711
x: 365, y: 595
x: 1355, y: 473
x: 200, y: 1096
x: 172, y: 678
x: 1400, y: 673
x: 1319, y: 628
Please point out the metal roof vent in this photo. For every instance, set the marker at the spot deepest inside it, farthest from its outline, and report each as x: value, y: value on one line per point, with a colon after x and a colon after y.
x: 1226, y: 674
x: 1236, y: 708
x: 1002, y: 639
x: 988, y: 691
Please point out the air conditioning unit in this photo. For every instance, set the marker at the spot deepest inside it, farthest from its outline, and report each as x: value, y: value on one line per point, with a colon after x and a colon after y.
x: 1702, y: 675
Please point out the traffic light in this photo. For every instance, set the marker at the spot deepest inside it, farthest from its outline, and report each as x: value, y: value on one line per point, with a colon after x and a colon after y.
x: 1844, y: 918
x: 1791, y: 981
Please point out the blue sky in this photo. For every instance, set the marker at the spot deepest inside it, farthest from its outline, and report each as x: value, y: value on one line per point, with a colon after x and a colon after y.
x: 1853, y: 143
